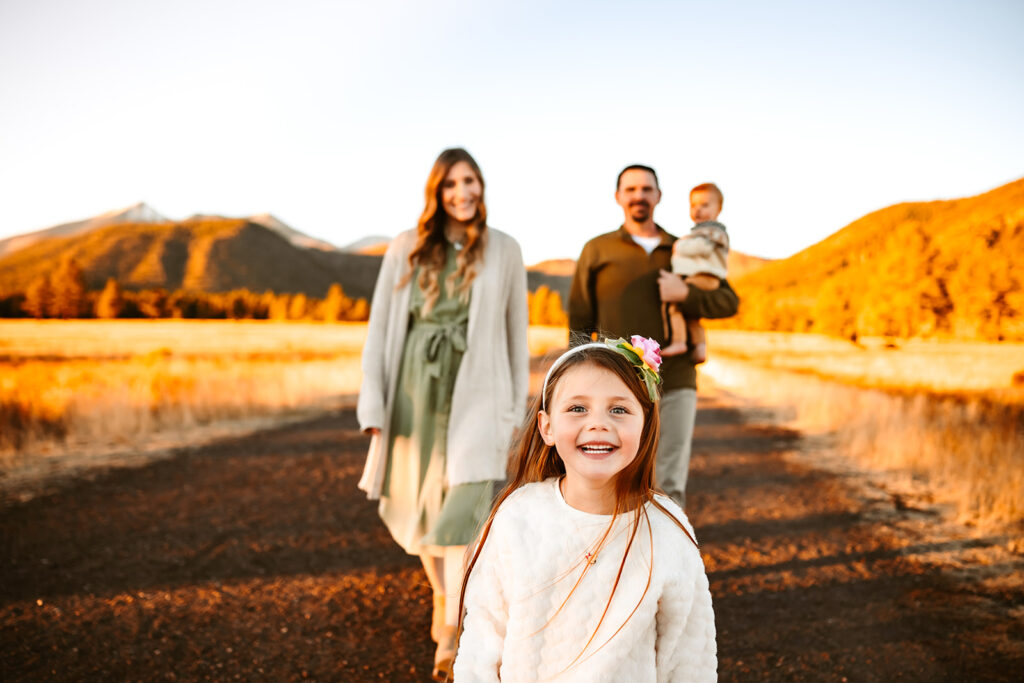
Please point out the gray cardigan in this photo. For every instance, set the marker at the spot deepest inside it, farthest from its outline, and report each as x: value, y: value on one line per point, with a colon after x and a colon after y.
x: 489, y: 397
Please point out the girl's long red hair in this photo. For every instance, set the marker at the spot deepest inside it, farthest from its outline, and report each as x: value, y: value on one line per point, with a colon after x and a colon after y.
x: 429, y: 252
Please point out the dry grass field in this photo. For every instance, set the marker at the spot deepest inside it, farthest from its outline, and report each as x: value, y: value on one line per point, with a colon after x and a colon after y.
x: 911, y: 365
x: 81, y: 392
x: 948, y: 416
x: 86, y: 386
x: 74, y: 394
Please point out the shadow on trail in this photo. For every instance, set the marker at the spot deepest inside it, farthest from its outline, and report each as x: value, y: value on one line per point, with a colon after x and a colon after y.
x: 809, y: 584
x: 867, y: 629
x: 278, y: 503
x: 258, y: 558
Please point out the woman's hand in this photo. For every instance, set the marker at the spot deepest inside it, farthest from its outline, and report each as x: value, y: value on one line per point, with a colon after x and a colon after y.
x: 671, y: 287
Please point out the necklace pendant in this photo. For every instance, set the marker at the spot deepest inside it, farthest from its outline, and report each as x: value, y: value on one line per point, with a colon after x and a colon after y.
x: 591, y: 558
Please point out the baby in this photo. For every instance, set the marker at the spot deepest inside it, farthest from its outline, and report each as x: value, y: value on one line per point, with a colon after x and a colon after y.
x: 701, y: 257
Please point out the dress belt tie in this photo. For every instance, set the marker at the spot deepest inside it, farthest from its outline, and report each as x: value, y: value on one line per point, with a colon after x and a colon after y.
x: 443, y: 340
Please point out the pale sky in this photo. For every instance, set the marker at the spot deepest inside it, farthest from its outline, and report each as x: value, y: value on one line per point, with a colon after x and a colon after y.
x: 330, y: 114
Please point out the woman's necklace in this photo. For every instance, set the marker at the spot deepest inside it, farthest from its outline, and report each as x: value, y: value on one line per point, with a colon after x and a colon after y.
x: 457, y: 243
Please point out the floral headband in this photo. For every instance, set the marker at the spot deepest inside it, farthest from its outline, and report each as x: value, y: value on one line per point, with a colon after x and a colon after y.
x: 643, y: 353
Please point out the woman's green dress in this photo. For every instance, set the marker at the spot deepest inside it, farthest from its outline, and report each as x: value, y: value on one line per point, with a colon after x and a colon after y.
x: 419, y: 508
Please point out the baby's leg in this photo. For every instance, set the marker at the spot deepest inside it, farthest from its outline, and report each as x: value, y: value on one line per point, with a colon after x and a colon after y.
x: 676, y: 332
x: 698, y: 341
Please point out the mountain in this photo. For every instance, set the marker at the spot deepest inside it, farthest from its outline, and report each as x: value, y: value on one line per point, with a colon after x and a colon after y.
x: 741, y: 264
x: 202, y: 254
x: 296, y: 237
x: 564, y: 267
x: 922, y: 269
x: 143, y: 213
x: 299, y: 239
x: 136, y: 213
x: 555, y: 274
x: 374, y: 245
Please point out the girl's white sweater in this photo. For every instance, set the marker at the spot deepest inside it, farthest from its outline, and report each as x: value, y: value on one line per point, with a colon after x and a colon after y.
x: 534, y: 555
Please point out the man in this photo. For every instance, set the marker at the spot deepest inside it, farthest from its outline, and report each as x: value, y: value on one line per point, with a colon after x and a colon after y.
x: 621, y: 281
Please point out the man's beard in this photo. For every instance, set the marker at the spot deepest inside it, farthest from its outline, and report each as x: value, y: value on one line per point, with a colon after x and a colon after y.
x: 640, y: 211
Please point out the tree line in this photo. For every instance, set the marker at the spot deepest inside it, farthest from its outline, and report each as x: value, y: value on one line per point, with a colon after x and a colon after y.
x: 545, y: 306
x: 64, y: 294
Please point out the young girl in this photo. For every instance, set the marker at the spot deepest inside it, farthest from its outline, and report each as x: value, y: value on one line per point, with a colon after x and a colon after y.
x: 582, y: 572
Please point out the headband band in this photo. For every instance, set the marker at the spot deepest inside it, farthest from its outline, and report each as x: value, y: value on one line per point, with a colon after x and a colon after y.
x: 643, y: 353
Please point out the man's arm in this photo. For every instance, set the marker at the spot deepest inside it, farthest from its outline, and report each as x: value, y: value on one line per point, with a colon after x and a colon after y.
x: 718, y: 303
x: 698, y: 303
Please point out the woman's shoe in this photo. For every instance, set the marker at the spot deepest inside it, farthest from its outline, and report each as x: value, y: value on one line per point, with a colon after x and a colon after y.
x: 444, y: 656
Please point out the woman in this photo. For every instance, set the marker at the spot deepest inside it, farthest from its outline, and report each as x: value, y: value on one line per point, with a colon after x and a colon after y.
x: 445, y: 375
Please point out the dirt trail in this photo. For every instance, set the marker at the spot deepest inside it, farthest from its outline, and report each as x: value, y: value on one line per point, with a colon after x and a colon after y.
x: 256, y: 558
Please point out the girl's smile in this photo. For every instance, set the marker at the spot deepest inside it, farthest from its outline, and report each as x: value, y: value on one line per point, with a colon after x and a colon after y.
x: 597, y: 449
x: 595, y: 423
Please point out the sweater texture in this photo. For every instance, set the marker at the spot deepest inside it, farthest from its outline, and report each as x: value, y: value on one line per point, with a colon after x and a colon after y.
x: 615, y: 292
x: 489, y: 396
x: 534, y: 555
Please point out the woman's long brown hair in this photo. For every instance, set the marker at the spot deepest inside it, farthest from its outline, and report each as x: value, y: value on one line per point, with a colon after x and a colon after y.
x: 429, y: 251
x: 535, y: 461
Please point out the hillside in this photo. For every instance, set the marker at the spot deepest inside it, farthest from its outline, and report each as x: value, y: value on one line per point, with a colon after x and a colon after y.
x: 373, y: 245
x: 137, y: 213
x: 210, y: 255
x: 924, y: 269
x: 296, y: 237
x: 741, y: 264
x: 563, y: 267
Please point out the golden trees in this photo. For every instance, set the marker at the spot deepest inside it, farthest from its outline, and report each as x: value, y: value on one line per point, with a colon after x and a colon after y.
x: 545, y: 307
x: 69, y: 294
x: 44, y: 300
x: 60, y: 294
x: 336, y: 305
x: 39, y: 298
x: 110, y: 303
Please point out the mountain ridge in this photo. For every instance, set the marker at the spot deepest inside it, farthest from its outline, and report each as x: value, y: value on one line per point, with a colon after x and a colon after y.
x: 944, y: 268
x: 140, y: 212
x: 204, y: 254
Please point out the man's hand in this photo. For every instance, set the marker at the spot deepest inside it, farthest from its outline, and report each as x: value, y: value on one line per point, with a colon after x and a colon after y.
x: 671, y: 287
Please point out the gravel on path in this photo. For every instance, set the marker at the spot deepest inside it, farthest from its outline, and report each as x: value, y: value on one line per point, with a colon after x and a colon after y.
x: 256, y: 558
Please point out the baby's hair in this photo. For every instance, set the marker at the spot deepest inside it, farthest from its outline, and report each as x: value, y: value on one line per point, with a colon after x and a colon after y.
x: 710, y: 187
x: 535, y: 461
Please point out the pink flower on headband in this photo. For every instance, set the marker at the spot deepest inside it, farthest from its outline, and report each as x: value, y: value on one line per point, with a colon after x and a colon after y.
x: 648, y: 350
x: 645, y: 355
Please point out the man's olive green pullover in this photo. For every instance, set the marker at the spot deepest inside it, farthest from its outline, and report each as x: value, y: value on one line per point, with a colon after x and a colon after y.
x: 615, y: 292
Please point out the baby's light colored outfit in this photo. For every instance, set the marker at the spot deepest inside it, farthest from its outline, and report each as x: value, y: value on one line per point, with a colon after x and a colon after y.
x: 535, y: 553
x: 704, y: 250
